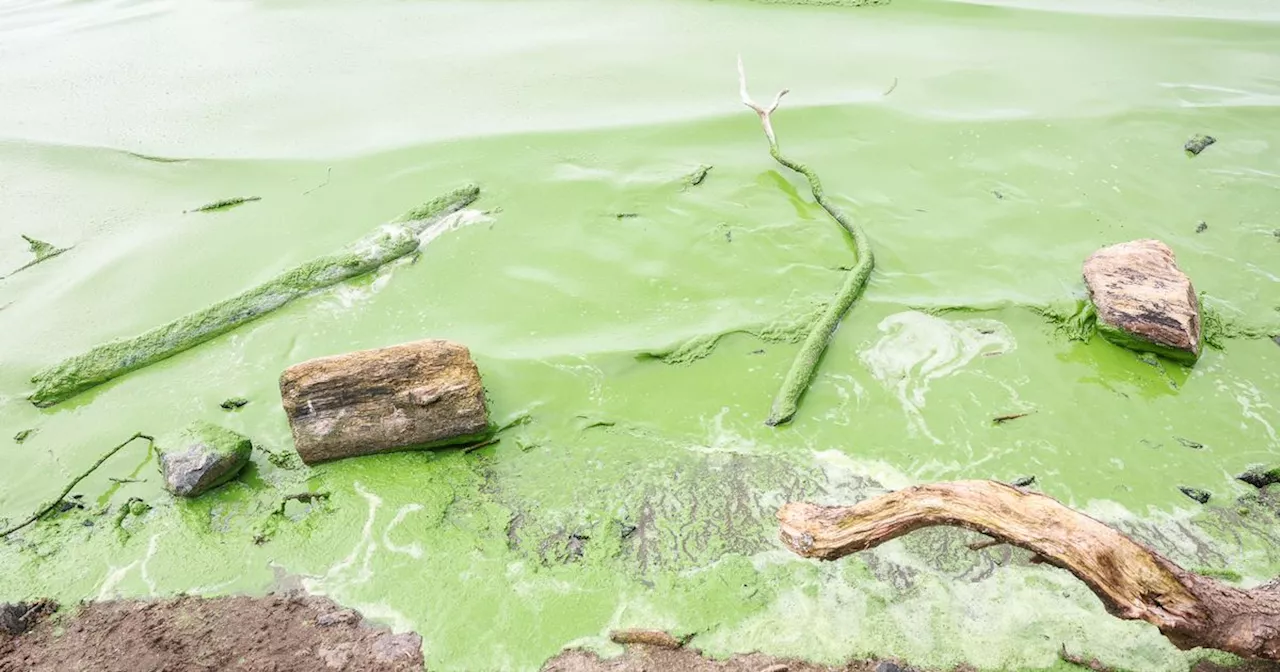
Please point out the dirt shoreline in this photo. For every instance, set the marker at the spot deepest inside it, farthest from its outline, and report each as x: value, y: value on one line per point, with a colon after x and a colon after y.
x: 295, y: 632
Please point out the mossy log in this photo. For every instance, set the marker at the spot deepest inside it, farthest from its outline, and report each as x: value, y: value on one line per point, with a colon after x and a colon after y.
x: 110, y: 360
x: 1132, y: 581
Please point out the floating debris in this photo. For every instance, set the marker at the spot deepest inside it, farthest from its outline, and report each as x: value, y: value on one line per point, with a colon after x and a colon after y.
x: 627, y: 215
x: 1001, y: 419
x: 1193, y: 445
x: 1197, y: 494
x: 23, y: 435
x: 154, y: 159
x: 697, y: 177
x: 43, y: 252
x: 225, y: 204
x: 1202, y: 227
x: 1198, y: 143
x: 233, y: 403
x: 327, y: 174
x: 1023, y: 482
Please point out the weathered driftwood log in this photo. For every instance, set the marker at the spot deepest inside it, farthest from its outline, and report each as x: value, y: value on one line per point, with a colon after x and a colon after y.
x: 425, y: 394
x: 1133, y: 581
x: 110, y: 360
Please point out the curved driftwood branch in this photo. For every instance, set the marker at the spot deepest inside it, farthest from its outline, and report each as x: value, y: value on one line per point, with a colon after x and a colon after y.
x: 1133, y: 581
x: 806, y: 361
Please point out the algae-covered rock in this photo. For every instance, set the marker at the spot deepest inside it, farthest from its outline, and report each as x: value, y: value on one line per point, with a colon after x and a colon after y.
x: 233, y: 403
x: 201, y: 456
x: 1260, y: 477
x: 1143, y: 301
x: 1198, y: 143
x: 1197, y: 494
x: 424, y: 394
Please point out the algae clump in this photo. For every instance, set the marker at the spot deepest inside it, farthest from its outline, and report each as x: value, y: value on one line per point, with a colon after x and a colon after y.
x: 116, y: 358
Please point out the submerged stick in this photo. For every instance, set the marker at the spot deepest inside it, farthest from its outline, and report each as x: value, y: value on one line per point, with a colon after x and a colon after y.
x: 806, y: 362
x: 110, y: 360
x: 43, y: 252
x: 225, y: 204
x: 46, y: 508
x: 1132, y: 581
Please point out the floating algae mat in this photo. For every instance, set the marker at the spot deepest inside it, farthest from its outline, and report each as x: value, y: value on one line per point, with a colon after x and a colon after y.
x: 642, y: 493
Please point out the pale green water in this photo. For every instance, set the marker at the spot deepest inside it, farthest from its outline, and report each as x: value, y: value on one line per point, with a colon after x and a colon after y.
x: 568, y: 113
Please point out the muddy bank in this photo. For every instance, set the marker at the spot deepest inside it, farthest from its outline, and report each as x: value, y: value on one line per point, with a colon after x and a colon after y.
x: 296, y: 632
x: 282, y: 633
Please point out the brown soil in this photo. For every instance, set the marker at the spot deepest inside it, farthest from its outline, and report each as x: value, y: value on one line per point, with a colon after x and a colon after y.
x: 648, y: 658
x: 277, y: 633
x: 294, y: 632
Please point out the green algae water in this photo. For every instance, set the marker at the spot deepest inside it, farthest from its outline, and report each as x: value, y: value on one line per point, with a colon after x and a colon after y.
x: 1020, y: 136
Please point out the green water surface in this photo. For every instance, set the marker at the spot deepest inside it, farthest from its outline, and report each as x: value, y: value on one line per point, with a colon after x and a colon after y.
x: 1019, y: 137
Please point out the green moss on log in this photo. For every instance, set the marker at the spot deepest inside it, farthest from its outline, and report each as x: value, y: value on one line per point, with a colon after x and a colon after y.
x: 111, y: 360
x: 806, y: 361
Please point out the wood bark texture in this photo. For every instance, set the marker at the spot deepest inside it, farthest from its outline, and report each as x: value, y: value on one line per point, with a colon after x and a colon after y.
x: 423, y: 394
x: 1133, y: 581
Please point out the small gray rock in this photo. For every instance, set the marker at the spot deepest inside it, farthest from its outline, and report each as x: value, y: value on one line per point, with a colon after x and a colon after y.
x: 886, y: 666
x: 339, y: 617
x: 201, y: 456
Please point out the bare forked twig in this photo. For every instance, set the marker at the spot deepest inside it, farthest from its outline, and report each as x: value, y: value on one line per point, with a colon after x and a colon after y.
x: 764, y: 114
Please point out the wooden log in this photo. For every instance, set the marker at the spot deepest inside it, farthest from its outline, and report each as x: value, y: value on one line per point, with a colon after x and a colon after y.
x: 1133, y: 581
x: 424, y: 394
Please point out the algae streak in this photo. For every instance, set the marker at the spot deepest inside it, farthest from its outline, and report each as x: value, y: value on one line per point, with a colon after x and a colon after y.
x: 110, y: 360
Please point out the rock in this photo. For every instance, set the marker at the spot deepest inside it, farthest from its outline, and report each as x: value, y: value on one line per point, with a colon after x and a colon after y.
x: 393, y: 648
x: 201, y: 456
x: 1198, y: 142
x: 339, y: 617
x: 419, y: 395
x: 1143, y: 300
x: 1259, y: 477
x: 1195, y: 493
x: 233, y: 403
x: 18, y: 617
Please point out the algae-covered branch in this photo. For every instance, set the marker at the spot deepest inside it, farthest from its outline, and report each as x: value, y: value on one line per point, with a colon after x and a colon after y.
x: 110, y: 360
x: 806, y: 361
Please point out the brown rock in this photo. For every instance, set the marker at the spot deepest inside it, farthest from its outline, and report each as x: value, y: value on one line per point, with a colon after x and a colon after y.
x: 1144, y: 301
x: 424, y: 394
